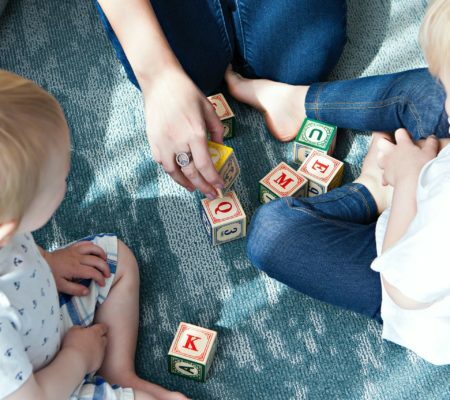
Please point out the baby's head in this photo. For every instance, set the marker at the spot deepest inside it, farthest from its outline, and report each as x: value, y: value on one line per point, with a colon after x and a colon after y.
x: 435, y: 40
x: 34, y: 156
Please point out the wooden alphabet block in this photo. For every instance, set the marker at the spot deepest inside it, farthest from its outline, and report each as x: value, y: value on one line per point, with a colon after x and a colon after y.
x: 282, y: 181
x: 224, y: 218
x: 225, y: 114
x: 225, y: 162
x: 314, y: 135
x: 322, y: 171
x: 192, y: 351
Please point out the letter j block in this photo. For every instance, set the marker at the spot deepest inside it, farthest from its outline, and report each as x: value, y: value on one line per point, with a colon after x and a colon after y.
x: 224, y: 218
x: 192, y: 352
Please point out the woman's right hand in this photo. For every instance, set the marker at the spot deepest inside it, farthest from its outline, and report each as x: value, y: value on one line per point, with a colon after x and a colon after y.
x: 178, y: 117
x: 89, y: 342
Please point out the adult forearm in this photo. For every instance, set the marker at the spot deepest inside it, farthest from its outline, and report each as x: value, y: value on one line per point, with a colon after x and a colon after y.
x: 142, y: 39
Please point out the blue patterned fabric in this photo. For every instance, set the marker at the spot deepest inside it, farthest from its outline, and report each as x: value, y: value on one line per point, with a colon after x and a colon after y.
x: 274, y: 343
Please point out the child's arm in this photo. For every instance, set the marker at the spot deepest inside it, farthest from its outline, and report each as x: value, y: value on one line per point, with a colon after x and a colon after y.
x: 402, y: 163
x: 82, y: 352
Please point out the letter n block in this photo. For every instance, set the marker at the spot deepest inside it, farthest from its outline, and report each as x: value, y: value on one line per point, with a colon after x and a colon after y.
x: 192, y: 351
x: 225, y: 114
x: 225, y: 162
x: 224, y: 218
x: 314, y: 135
x: 282, y: 181
x: 323, y: 173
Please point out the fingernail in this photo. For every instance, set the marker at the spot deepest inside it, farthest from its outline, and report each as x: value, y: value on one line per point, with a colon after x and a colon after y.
x: 210, y: 196
x: 85, y: 292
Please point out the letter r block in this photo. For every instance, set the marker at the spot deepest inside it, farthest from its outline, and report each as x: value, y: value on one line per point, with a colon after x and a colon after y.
x: 192, y: 352
x: 282, y: 181
x: 225, y: 114
x: 224, y: 218
x: 314, y: 135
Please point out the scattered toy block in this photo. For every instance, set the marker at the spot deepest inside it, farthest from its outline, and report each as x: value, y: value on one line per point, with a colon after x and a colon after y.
x: 322, y: 171
x: 314, y: 135
x: 192, y: 351
x: 282, y: 181
x: 225, y: 162
x: 225, y: 114
x: 224, y: 218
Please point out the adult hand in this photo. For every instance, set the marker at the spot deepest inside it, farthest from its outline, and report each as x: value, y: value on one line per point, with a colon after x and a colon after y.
x: 178, y: 116
x: 404, y: 158
x: 88, y: 342
x: 82, y: 260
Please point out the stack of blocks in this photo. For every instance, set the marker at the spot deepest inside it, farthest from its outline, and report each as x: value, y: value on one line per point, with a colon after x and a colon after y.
x: 192, y: 351
x: 318, y: 172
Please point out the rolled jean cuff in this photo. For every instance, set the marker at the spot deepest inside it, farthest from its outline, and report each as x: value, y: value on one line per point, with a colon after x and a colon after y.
x: 312, y: 101
x: 371, y: 205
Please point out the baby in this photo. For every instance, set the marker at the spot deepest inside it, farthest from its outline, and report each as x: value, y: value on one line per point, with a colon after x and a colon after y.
x: 50, y: 347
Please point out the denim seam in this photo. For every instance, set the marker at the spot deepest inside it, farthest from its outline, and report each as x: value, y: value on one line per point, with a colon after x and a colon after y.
x: 366, y: 203
x: 224, y: 29
x: 319, y: 91
x: 244, y: 47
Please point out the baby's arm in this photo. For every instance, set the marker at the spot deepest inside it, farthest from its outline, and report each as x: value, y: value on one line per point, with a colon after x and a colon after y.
x: 82, y: 352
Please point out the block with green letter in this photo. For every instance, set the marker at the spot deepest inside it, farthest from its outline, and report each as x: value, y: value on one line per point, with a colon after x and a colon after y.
x: 314, y: 135
x: 282, y: 181
x: 225, y: 114
x: 192, y: 351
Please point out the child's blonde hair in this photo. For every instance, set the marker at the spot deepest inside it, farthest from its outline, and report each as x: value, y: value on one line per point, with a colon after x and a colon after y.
x: 30, y: 120
x: 435, y: 37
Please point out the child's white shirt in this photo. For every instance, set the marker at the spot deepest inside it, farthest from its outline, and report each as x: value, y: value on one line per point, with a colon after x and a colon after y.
x: 29, y: 313
x: 419, y: 266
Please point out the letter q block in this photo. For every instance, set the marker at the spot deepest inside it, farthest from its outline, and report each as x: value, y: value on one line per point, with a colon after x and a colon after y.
x: 224, y: 218
x: 282, y: 181
x: 323, y: 173
x: 192, y: 352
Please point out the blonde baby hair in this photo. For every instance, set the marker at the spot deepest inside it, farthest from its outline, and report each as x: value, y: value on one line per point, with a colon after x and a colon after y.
x: 435, y: 37
x: 30, y: 120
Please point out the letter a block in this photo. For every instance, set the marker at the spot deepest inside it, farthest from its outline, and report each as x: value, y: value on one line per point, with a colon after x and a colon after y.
x: 314, y: 135
x: 323, y: 173
x: 223, y: 111
x: 282, y: 181
x: 225, y: 162
x: 224, y: 218
x: 192, y: 351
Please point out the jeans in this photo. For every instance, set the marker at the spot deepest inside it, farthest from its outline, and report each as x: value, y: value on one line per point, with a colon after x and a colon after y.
x: 321, y: 246
x: 414, y: 100
x: 296, y: 42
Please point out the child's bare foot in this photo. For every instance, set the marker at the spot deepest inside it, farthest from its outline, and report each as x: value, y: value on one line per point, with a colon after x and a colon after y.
x: 371, y: 174
x: 156, y: 392
x: 283, y: 105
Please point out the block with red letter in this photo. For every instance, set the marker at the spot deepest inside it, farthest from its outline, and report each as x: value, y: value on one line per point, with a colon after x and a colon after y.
x: 282, y: 181
x: 225, y: 162
x: 224, y: 218
x: 192, y: 351
x: 323, y: 173
x: 225, y: 114
x: 314, y: 135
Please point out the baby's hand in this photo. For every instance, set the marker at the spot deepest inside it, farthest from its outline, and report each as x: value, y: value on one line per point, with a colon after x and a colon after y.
x: 82, y: 260
x: 89, y: 342
x: 404, y: 159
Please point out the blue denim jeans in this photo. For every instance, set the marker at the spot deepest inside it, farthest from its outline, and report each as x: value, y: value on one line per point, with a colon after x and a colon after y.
x: 297, y: 42
x: 321, y: 246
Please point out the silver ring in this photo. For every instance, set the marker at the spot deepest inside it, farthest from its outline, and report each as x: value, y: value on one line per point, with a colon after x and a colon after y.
x: 183, y: 159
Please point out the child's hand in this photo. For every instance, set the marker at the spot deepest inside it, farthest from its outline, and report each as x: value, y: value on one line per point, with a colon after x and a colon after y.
x: 82, y: 260
x: 404, y: 159
x: 89, y: 342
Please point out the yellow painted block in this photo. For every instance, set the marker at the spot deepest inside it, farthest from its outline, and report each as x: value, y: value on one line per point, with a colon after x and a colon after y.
x: 219, y: 154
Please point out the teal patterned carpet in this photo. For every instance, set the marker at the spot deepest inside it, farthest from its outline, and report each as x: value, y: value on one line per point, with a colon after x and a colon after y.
x: 274, y: 343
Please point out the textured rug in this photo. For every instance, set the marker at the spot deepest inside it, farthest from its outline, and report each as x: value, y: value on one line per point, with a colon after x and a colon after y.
x: 274, y: 343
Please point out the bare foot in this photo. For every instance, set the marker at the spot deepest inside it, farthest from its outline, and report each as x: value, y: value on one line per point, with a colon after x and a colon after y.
x: 371, y: 174
x: 283, y: 105
x: 157, y: 392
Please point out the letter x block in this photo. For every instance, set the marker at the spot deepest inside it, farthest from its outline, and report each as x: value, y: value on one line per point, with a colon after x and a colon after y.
x: 224, y: 218
x: 323, y: 173
x: 314, y: 135
x: 282, y: 181
x: 223, y: 111
x: 192, y: 351
x: 225, y: 162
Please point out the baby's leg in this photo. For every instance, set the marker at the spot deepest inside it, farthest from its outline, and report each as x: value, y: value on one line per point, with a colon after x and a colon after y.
x: 120, y: 311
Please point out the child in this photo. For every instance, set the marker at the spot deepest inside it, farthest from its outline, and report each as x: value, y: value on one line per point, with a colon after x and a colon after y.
x: 50, y: 349
x: 407, y: 287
